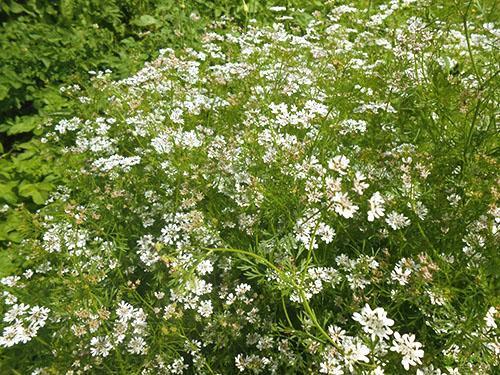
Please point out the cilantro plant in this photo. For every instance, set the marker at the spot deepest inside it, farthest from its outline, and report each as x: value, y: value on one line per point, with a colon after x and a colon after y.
x: 315, y: 194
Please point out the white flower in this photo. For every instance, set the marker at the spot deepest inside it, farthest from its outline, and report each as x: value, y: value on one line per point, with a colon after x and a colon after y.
x: 10, y: 281
x: 205, y: 267
x: 400, y: 275
x: 176, y: 116
x: 147, y: 250
x: 343, y: 206
x: 190, y: 139
x: 374, y: 322
x: 15, y: 312
x: 377, y: 371
x: 397, y: 221
x: 330, y: 364
x: 199, y: 286
x: 359, y: 183
x: 429, y: 370
x: 137, y: 345
x: 490, y: 318
x: 177, y: 367
x: 408, y: 348
x: 25, y: 323
x: 358, y: 352
x: 336, y: 333
x: 9, y: 337
x: 100, y: 346
x: 339, y: 164
x: 125, y: 311
x: 325, y: 232
x: 162, y: 144
x: 125, y: 163
x: 376, y: 206
x: 38, y: 316
x: 205, y: 309
x: 240, y: 362
x: 352, y: 126
x: 354, y: 351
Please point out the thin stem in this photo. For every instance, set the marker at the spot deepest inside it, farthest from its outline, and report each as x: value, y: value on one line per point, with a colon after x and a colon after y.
x: 467, y: 39
x: 309, y: 311
x: 286, y: 311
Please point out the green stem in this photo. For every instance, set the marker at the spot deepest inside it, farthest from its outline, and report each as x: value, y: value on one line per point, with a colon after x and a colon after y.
x: 286, y: 311
x: 467, y: 39
x: 309, y: 311
x: 312, y: 316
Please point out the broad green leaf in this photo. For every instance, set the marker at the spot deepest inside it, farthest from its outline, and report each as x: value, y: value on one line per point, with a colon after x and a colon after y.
x: 12, y: 78
x: 6, y: 168
x: 14, y: 227
x: 145, y: 21
x: 4, y: 91
x: 23, y: 125
x: 6, y: 264
x: 17, y: 8
x: 37, y: 192
x: 6, y: 192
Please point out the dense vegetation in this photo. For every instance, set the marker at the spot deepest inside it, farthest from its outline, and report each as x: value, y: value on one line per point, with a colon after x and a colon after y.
x: 46, y: 44
x: 309, y: 188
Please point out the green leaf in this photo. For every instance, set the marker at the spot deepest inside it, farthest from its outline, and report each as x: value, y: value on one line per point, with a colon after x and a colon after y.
x: 45, y: 61
x: 6, y: 264
x: 4, y: 91
x: 17, y: 8
x: 6, y: 192
x: 38, y: 192
x: 6, y: 168
x: 146, y: 21
x: 12, y: 78
x: 14, y: 228
x: 23, y: 125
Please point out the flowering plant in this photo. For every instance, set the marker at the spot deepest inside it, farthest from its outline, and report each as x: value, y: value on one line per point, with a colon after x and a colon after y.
x: 276, y: 200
